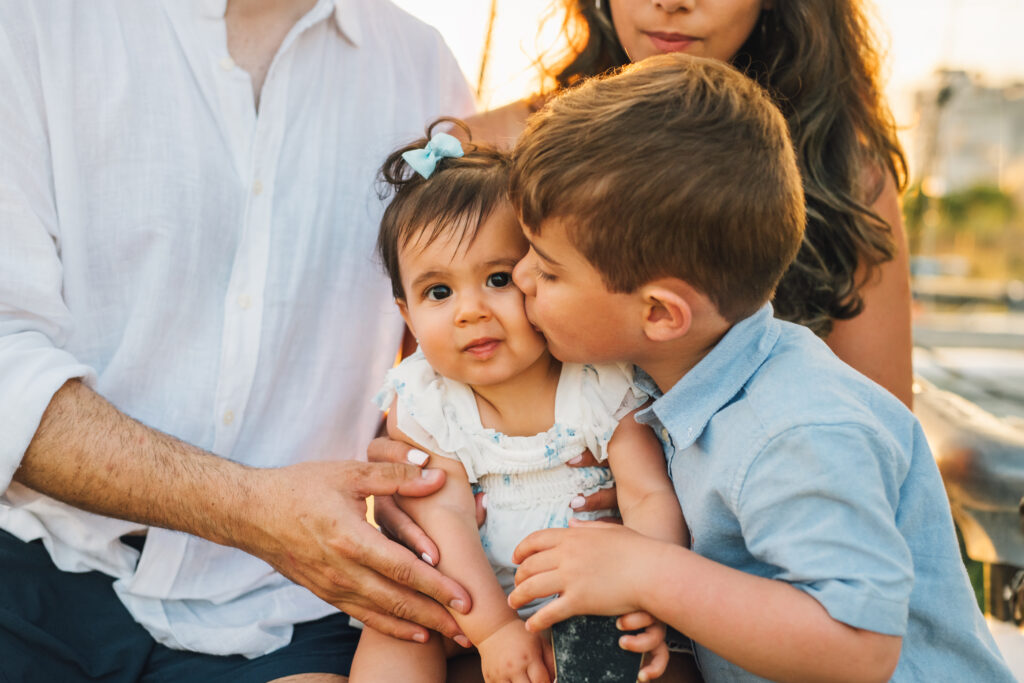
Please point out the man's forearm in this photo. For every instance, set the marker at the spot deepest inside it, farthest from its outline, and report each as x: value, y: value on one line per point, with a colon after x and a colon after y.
x: 90, y: 455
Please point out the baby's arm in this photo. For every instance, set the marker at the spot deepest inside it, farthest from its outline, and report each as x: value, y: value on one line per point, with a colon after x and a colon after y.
x: 449, y: 518
x: 647, y: 499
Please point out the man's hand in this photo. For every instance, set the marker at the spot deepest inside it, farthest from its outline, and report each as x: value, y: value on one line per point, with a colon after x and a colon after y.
x: 308, y: 521
x: 391, y: 519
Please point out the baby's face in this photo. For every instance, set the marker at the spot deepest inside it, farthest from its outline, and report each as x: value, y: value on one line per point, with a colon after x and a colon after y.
x: 566, y: 298
x: 463, y: 307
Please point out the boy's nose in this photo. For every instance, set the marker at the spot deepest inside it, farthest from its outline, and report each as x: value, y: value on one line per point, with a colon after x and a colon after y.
x: 522, y: 276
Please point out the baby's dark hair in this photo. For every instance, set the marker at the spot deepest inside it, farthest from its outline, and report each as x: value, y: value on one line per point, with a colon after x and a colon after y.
x: 456, y: 199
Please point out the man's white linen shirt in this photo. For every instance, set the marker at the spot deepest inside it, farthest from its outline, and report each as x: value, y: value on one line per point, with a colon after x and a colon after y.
x: 207, y: 269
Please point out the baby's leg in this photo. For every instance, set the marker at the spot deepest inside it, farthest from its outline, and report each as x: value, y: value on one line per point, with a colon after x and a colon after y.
x: 382, y: 658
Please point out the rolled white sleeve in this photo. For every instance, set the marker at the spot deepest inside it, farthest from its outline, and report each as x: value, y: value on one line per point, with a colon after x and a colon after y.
x: 34, y: 320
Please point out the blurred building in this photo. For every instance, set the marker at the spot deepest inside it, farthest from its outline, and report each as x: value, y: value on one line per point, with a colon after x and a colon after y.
x: 968, y: 133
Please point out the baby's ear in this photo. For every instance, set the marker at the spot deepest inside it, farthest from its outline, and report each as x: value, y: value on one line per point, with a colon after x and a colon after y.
x: 403, y: 308
x: 667, y: 312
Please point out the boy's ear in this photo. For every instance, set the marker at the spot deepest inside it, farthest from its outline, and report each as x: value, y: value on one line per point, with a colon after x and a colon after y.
x: 667, y: 313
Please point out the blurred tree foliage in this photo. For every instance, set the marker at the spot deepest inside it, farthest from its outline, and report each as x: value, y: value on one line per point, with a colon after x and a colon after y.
x: 982, y: 223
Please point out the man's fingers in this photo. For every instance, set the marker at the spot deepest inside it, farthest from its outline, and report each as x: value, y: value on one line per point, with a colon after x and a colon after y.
x: 389, y: 625
x: 406, y: 605
x: 389, y: 478
x: 400, y: 527
x: 383, y: 449
x: 536, y: 542
x: 398, y: 564
x: 602, y: 499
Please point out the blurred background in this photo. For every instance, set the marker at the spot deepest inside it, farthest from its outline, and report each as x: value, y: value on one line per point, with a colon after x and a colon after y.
x: 954, y: 75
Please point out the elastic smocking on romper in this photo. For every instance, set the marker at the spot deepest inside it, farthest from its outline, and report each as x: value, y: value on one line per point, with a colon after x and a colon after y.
x: 527, y: 482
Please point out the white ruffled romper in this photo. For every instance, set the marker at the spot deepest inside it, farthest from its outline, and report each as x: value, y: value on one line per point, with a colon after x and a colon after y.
x: 527, y: 482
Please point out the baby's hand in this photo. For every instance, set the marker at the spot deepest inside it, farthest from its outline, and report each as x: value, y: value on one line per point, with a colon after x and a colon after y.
x: 513, y: 655
x: 650, y: 641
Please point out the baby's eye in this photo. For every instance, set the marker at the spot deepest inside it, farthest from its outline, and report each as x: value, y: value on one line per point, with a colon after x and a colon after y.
x: 438, y: 292
x: 499, y: 280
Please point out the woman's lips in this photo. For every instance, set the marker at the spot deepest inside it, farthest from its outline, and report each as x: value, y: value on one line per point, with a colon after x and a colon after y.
x: 670, y: 42
x: 482, y: 348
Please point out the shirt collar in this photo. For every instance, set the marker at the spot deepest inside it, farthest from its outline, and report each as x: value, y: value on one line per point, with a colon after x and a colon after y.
x: 346, y: 16
x: 688, y: 406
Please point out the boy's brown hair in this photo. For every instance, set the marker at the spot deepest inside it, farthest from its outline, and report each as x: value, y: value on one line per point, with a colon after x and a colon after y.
x: 672, y: 167
x: 456, y: 199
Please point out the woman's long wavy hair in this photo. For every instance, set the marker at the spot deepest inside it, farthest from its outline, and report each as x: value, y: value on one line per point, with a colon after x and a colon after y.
x: 820, y: 62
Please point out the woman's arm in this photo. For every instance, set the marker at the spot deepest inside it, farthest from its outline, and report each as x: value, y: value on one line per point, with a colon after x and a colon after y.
x: 499, y: 127
x: 646, y: 497
x: 878, y: 341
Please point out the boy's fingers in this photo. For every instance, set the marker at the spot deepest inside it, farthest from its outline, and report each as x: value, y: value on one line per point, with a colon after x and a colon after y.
x: 537, y: 673
x: 641, y: 642
x: 536, y: 564
x: 634, y: 620
x: 538, y: 586
x: 657, y: 661
x: 553, y: 612
x: 536, y: 542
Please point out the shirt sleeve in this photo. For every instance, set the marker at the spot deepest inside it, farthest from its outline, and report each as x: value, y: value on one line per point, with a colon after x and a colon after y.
x: 34, y: 319
x: 820, y: 504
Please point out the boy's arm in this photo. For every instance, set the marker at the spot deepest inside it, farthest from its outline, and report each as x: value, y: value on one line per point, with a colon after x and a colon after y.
x: 818, y: 505
x: 449, y: 518
x: 647, y: 499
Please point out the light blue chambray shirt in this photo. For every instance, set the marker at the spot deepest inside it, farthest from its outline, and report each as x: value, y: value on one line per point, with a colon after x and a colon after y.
x: 790, y: 465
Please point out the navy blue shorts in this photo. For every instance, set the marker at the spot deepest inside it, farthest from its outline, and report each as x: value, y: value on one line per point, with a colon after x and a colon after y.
x: 62, y: 626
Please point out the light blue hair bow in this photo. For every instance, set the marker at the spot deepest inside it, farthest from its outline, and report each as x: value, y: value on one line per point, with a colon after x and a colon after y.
x: 424, y: 161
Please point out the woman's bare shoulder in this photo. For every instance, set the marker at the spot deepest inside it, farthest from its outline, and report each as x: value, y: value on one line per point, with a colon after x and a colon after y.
x: 501, y: 126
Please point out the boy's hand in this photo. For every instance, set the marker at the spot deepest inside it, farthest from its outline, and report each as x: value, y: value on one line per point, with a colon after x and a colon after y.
x: 594, y: 567
x: 514, y: 655
x: 651, y: 642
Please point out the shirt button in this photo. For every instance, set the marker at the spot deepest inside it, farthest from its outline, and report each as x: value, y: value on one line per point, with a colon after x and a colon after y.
x: 229, y: 417
x: 257, y: 187
x: 244, y: 302
x: 227, y: 63
x: 664, y: 434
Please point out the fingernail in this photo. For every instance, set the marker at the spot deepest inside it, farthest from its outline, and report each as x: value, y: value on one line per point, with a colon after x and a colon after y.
x: 577, y: 460
x: 463, y: 641
x: 483, y: 501
x: 416, y: 457
x: 618, y: 624
x: 420, y: 637
x: 430, y: 475
x: 458, y: 605
x: 428, y: 559
x: 642, y: 677
x: 577, y: 502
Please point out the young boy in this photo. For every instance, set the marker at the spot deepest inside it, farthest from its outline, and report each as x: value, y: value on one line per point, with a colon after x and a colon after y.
x: 662, y: 206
